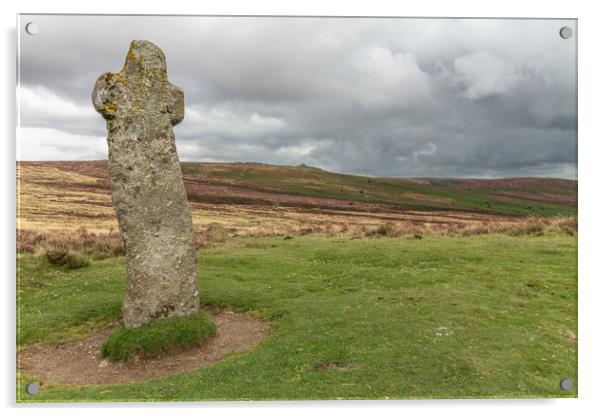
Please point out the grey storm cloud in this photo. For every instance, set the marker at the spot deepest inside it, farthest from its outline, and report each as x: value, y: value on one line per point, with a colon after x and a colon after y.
x: 374, y: 96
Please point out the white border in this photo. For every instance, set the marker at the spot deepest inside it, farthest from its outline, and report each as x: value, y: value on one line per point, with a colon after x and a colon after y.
x: 590, y: 189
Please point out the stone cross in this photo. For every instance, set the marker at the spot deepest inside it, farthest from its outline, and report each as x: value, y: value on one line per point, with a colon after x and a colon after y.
x: 140, y: 107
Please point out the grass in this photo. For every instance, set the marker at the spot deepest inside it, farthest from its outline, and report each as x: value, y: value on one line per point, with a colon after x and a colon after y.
x: 69, y: 195
x: 67, y: 257
x: 74, y: 249
x: 489, y: 315
x: 157, y: 337
x: 65, y: 207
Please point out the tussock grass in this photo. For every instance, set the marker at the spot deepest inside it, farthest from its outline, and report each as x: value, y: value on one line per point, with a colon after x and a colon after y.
x: 97, y: 246
x: 67, y: 257
x: 157, y: 337
x: 515, y: 227
x: 80, y: 242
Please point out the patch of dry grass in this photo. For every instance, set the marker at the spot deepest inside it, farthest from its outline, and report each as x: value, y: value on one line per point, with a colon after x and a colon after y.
x: 52, y: 199
x: 517, y: 227
x: 70, y: 209
x: 60, y: 246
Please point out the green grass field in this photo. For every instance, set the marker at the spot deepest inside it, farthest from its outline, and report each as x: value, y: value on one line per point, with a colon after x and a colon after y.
x: 370, y: 318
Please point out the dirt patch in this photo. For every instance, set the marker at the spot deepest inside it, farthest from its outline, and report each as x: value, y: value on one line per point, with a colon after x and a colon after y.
x: 80, y: 362
x: 335, y: 365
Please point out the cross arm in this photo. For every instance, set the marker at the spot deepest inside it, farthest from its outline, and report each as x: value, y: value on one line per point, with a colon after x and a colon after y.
x: 106, y: 94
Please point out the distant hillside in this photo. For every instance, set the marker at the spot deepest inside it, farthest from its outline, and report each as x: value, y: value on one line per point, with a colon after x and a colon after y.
x: 259, y: 184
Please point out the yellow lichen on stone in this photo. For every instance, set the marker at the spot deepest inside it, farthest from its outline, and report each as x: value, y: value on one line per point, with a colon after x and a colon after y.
x: 111, y: 107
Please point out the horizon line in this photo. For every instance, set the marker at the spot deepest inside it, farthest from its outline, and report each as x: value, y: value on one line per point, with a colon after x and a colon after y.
x: 325, y: 170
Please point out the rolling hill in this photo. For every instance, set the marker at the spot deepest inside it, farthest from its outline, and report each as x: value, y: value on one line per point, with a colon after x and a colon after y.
x: 252, y: 183
x: 258, y: 199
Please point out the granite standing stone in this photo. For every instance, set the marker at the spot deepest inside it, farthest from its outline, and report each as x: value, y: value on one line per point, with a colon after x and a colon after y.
x: 140, y: 107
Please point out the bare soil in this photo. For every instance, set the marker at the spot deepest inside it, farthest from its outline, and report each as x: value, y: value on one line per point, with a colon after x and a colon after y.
x: 80, y: 362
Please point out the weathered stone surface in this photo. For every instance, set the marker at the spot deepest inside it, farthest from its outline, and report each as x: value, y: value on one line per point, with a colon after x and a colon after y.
x: 140, y: 107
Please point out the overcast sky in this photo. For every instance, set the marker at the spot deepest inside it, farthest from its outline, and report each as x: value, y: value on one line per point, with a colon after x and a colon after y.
x: 381, y: 97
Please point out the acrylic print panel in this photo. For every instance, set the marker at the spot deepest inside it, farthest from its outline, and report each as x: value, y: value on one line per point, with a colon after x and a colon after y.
x: 291, y: 208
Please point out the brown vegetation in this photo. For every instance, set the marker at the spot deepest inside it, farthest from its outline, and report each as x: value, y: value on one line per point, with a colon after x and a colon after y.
x: 529, y: 189
x: 64, y: 211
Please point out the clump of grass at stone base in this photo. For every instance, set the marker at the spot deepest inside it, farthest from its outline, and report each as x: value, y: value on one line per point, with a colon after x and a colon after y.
x: 158, y: 337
